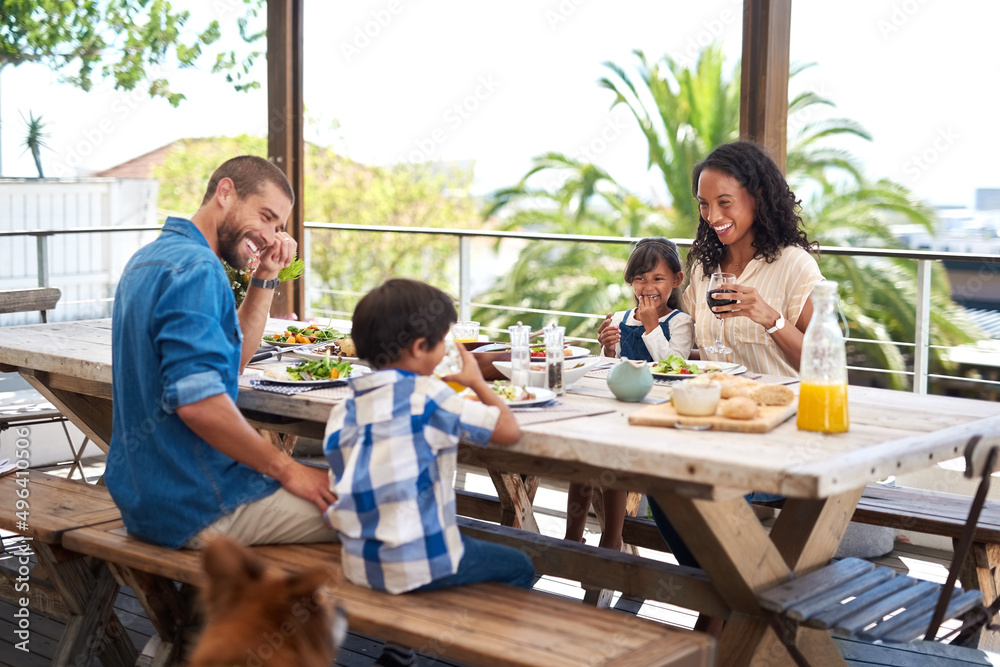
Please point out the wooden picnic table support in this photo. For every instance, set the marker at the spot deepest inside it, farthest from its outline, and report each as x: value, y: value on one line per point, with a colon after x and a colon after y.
x: 743, y: 560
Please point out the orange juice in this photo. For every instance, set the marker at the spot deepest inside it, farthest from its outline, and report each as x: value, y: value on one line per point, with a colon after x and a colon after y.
x: 823, y: 407
x: 456, y: 386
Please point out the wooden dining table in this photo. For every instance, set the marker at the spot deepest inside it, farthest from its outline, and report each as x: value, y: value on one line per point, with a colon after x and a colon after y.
x: 698, y: 477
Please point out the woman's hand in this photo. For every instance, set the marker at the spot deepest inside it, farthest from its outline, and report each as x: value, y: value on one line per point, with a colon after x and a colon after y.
x: 749, y: 303
x: 608, y: 336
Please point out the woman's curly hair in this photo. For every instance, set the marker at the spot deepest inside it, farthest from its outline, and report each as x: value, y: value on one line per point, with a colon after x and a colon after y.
x: 776, y: 223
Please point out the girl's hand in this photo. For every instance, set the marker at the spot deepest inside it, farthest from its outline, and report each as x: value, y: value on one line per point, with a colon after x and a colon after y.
x: 749, y: 304
x: 646, y: 313
x: 608, y: 336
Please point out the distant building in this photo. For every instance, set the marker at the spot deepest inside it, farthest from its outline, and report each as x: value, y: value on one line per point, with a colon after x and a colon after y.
x: 988, y: 199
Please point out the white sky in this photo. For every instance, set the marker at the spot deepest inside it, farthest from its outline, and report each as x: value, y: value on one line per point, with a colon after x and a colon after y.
x: 920, y: 75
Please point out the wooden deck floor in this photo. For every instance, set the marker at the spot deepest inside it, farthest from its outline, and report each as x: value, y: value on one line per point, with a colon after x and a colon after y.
x: 361, y: 651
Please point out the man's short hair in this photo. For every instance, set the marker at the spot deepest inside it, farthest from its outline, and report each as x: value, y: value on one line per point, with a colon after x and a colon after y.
x: 392, y: 316
x: 248, y: 173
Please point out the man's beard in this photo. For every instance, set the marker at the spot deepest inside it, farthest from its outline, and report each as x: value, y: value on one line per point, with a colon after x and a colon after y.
x: 230, y: 242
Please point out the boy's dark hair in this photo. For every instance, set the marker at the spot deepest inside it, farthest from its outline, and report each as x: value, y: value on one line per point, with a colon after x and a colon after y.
x: 776, y: 224
x: 646, y: 255
x: 393, y: 315
x: 248, y: 173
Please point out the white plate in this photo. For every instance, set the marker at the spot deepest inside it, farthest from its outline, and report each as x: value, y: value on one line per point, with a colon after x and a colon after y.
x: 574, y: 353
x: 542, y: 395
x: 279, y: 344
x: 306, y: 354
x: 723, y: 366
x: 573, y: 370
x: 356, y: 371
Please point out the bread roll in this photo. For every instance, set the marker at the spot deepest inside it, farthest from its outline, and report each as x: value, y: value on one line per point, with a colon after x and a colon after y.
x: 738, y: 387
x: 740, y: 407
x: 772, y: 394
x: 347, y: 347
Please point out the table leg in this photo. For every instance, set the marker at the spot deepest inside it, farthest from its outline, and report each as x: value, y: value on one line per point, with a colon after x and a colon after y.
x: 742, y: 560
x: 91, y: 414
x: 515, y: 503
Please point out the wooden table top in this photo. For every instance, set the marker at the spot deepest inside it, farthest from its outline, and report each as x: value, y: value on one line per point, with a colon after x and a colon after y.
x: 891, y: 433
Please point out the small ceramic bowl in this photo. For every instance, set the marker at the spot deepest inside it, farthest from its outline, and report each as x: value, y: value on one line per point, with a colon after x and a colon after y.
x: 696, y: 398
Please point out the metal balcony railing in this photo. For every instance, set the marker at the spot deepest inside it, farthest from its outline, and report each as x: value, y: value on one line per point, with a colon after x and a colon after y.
x: 921, y: 345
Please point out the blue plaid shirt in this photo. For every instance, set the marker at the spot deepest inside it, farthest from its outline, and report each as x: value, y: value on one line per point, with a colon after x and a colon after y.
x: 392, y: 452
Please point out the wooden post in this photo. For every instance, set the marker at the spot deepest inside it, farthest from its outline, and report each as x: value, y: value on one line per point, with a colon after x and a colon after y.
x: 764, y: 82
x: 285, y: 146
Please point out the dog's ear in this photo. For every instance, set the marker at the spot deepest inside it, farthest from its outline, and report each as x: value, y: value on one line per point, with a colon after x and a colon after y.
x: 305, y: 583
x: 225, y: 559
x: 230, y: 568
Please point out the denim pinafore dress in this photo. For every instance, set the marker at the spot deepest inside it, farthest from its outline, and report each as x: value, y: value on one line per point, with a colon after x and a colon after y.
x: 633, y: 346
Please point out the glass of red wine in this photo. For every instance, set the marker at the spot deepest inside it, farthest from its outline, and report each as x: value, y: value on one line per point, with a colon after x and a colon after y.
x: 716, y: 298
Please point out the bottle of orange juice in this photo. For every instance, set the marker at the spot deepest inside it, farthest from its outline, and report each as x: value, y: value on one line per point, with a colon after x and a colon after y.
x: 823, y: 368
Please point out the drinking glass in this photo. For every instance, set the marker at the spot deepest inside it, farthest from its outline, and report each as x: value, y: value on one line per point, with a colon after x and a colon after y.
x: 714, y: 292
x: 451, y: 363
x: 465, y: 331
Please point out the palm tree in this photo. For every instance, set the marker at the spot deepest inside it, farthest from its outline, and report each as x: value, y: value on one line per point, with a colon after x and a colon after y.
x: 35, y: 140
x: 572, y: 277
x: 684, y: 114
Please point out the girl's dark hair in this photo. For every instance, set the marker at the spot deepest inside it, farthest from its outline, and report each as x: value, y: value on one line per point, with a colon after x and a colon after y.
x: 399, y: 311
x: 646, y: 255
x: 776, y: 222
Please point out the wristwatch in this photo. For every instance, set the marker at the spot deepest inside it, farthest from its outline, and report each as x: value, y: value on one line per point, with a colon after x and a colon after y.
x: 780, y: 324
x: 266, y: 284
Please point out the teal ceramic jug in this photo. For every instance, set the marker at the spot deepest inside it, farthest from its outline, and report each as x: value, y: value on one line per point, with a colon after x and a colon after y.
x: 630, y: 381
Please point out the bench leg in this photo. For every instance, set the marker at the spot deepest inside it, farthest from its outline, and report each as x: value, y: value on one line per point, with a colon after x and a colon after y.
x: 168, y: 609
x: 89, y: 592
x: 980, y: 572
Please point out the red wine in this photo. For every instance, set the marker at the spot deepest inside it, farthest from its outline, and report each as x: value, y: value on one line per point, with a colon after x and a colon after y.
x: 712, y: 303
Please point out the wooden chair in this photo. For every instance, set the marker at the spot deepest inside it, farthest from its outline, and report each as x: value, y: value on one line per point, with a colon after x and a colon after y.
x: 853, y: 597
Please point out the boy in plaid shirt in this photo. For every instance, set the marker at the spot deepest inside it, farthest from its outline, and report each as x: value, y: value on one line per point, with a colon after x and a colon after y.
x: 392, y: 451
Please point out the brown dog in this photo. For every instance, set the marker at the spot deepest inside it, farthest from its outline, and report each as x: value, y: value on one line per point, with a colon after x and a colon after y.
x: 257, y: 619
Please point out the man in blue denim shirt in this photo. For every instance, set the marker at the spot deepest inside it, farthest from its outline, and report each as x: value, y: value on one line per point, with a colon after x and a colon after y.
x: 183, y: 463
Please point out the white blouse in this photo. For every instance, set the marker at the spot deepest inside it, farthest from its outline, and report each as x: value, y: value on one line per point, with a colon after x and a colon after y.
x: 784, y: 284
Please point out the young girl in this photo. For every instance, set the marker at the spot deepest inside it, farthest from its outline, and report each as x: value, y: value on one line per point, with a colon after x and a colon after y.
x: 653, y: 330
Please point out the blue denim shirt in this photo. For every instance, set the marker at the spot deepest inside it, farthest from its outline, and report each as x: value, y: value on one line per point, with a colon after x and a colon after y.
x: 175, y: 340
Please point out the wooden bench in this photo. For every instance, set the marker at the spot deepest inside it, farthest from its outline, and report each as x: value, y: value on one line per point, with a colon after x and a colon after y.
x: 482, y: 624
x: 903, y: 508
x: 63, y: 585
x: 41, y: 299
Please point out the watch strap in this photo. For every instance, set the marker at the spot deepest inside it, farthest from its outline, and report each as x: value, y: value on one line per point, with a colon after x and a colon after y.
x: 265, y: 284
x: 779, y: 324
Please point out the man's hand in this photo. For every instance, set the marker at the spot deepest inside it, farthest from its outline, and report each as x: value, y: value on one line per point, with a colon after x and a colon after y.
x: 276, y: 256
x: 308, y: 483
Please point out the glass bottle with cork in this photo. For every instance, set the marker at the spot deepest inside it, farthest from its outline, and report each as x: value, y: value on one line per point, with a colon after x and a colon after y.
x: 823, y: 367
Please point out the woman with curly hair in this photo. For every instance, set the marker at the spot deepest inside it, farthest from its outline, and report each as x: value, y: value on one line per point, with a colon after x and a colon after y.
x: 749, y: 226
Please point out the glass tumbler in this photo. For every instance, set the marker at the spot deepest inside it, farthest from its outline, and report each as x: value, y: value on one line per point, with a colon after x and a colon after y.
x: 520, y: 355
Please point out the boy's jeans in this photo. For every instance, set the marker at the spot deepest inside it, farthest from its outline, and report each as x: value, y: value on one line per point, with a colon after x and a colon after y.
x: 486, y: 561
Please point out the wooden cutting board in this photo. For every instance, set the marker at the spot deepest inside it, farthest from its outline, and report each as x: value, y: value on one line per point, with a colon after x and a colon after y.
x: 768, y: 416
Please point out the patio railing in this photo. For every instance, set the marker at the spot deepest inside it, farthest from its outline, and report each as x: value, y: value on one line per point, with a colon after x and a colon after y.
x: 921, y: 345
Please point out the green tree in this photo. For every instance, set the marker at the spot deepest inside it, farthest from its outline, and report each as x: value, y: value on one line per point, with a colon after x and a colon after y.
x: 684, y: 113
x: 124, y: 40
x: 127, y: 41
x: 343, y: 265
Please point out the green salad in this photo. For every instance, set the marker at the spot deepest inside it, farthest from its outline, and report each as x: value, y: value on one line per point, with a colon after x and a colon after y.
x: 675, y: 365
x: 321, y: 369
